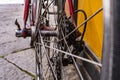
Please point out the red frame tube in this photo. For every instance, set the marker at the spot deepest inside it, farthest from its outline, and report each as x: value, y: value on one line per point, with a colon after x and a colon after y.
x: 26, y: 11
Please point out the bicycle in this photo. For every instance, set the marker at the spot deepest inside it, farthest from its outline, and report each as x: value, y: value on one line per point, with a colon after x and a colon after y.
x: 59, y: 44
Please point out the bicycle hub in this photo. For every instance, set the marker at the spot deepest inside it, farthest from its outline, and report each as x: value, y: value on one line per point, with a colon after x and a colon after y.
x: 23, y: 33
x: 30, y: 32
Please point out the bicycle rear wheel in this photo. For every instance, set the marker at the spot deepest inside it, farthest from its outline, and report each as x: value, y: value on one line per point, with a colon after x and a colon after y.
x: 49, y: 62
x: 55, y: 55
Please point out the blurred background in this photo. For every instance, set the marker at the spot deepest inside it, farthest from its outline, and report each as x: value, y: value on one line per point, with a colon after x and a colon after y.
x: 11, y: 1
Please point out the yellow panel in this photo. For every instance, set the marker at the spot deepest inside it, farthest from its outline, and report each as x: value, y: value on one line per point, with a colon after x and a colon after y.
x: 94, y: 32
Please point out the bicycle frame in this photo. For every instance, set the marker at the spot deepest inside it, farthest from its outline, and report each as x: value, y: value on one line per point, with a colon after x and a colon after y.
x: 26, y: 11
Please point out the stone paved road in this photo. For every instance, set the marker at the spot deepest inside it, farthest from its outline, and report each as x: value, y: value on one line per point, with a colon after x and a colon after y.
x: 16, y: 57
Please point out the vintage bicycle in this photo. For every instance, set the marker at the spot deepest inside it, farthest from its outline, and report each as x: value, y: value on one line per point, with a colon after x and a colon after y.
x: 73, y: 39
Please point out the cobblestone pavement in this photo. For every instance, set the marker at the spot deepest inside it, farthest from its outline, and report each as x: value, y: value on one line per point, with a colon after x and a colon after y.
x: 17, y: 60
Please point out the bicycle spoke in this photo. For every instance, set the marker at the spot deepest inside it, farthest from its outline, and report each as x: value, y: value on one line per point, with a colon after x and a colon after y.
x: 75, y: 64
x: 49, y: 62
x: 78, y: 57
x: 47, y: 7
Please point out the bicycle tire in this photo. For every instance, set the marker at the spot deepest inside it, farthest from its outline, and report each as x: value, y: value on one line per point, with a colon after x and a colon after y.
x: 111, y: 66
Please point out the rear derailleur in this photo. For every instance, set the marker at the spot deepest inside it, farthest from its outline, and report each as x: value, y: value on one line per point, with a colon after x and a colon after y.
x: 77, y: 45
